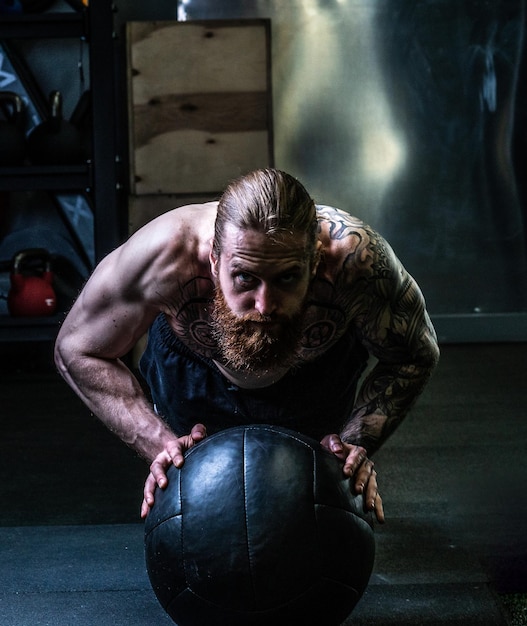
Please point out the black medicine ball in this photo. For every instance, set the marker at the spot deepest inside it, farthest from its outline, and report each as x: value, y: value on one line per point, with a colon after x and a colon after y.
x: 258, y: 527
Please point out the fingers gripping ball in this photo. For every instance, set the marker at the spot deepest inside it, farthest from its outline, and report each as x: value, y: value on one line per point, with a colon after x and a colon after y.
x: 258, y: 527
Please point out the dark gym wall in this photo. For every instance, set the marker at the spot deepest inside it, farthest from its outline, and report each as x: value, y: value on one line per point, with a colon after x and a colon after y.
x: 404, y: 114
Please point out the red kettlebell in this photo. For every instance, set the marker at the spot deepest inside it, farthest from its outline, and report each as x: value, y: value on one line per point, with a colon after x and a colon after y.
x: 32, y: 293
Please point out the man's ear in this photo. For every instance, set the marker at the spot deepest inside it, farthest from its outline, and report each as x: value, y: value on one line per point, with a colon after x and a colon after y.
x: 316, y: 258
x: 213, y: 261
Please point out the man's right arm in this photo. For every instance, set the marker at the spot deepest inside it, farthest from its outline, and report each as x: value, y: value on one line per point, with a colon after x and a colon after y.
x: 115, y: 308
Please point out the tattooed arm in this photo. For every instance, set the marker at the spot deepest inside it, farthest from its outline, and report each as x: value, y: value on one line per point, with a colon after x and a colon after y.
x: 385, y: 305
x: 389, y: 313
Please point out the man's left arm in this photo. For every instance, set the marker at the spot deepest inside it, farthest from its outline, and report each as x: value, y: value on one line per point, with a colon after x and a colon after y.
x: 394, y: 326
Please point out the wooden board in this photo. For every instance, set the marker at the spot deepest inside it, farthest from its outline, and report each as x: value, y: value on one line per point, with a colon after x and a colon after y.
x: 199, y: 104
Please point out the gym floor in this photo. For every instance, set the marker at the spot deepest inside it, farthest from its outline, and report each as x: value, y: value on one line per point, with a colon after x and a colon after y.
x: 453, y: 549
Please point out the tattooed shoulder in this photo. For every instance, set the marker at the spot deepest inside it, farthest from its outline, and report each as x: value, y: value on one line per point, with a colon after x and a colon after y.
x: 353, y: 245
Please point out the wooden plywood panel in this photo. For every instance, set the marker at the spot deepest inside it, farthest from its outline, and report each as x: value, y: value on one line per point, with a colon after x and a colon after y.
x: 200, y: 104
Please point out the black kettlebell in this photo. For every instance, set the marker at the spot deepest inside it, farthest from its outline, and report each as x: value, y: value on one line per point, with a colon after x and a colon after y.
x: 55, y: 141
x: 12, y: 137
x: 81, y: 119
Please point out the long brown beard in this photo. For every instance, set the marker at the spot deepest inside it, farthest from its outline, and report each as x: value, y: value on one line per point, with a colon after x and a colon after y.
x: 245, y: 346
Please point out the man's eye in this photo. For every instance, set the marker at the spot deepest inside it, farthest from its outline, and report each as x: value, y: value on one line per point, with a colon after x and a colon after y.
x: 289, y: 279
x: 244, y: 280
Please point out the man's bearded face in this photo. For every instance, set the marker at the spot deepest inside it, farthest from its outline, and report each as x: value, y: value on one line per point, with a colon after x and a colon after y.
x: 253, y: 341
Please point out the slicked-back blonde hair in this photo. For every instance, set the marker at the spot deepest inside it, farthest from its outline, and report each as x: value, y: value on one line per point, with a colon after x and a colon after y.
x: 269, y: 201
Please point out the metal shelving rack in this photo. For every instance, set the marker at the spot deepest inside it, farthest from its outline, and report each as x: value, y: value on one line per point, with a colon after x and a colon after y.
x: 101, y: 177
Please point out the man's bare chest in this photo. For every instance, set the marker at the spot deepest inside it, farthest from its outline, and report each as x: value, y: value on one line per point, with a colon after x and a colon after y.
x: 189, y: 313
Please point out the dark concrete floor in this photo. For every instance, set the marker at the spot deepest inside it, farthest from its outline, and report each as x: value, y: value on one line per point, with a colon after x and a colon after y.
x: 453, y: 481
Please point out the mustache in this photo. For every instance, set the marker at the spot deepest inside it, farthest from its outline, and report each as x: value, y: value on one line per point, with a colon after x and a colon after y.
x: 262, y: 319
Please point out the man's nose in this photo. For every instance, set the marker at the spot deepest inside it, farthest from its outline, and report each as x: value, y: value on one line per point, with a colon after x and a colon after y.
x: 265, y: 301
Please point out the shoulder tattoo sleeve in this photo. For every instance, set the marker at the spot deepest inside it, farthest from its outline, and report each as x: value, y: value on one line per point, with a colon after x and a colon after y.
x: 388, y: 312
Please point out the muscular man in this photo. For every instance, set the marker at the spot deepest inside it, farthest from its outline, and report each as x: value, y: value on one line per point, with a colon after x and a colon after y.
x: 261, y: 308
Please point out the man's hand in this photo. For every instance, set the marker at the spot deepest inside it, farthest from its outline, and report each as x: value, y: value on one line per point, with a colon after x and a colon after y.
x: 357, y: 464
x: 171, y: 455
